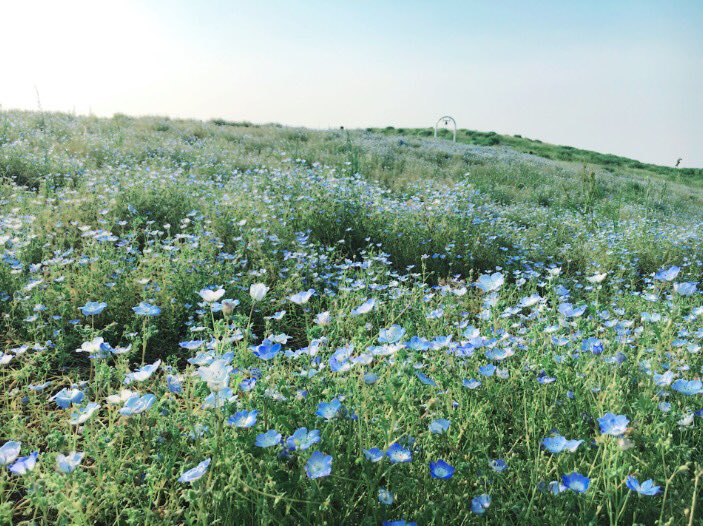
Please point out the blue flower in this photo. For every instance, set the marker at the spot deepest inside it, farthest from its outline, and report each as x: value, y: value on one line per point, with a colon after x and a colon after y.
x: 385, y: 496
x: 425, y: 379
x: 685, y: 289
x: 399, y: 522
x: 569, y: 311
x: 303, y: 439
x: 191, y: 345
x: 471, y: 383
x: 68, y: 463
x: 26, y: 464
x: 611, y: 424
x: 67, y: 397
x: 266, y: 350
x: 668, y: 274
x: 487, y: 370
x: 195, y: 473
x: 391, y: 335
x: 498, y: 465
x: 93, y: 308
x: 576, y: 482
x: 269, y: 439
x: 364, y: 308
x: 490, y: 282
x: 397, y: 454
x: 441, y: 470
x: 143, y: 373
x: 319, y: 465
x: 146, y: 309
x: 480, y: 504
x: 174, y: 384
x: 137, y: 404
x: 418, y: 344
x: 439, y: 426
x: 243, y: 418
x: 328, y: 410
x: 83, y: 414
x: 374, y: 454
x: 370, y: 378
x: 688, y: 387
x: 645, y: 488
x: 557, y: 443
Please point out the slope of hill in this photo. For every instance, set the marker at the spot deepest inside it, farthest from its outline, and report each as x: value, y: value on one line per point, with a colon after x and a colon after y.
x: 546, y: 150
x: 220, y: 323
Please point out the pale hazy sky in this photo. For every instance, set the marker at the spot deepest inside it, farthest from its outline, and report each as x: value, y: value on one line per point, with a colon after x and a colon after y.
x: 620, y: 77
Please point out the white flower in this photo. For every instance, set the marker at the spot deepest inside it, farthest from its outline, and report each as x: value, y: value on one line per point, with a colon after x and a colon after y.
x: 211, y: 296
x: 122, y: 396
x: 597, y: 278
x: 323, y: 318
x: 91, y: 347
x: 258, y: 291
x: 216, y: 375
x: 301, y: 298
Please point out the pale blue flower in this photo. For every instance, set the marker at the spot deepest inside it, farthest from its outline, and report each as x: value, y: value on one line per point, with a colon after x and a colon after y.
x: 391, y: 335
x: 318, y: 465
x: 398, y: 454
x: 303, y: 439
x: 67, y: 397
x: 385, y: 496
x: 668, y: 274
x: 301, y: 298
x: 93, y: 308
x: 195, y: 473
x: 611, y: 424
x: 480, y: 504
x: 688, y: 387
x: 328, y: 410
x: 243, y: 419
x: 685, y: 289
x: 68, y: 463
x: 137, y: 404
x: 648, y: 487
x: 364, y: 308
x: 557, y: 443
x: 269, y: 439
x: 146, y: 309
x: 576, y: 482
x: 84, y: 413
x: 24, y: 465
x: 143, y: 373
x: 439, y: 426
x: 9, y: 452
x: 490, y: 282
x: 374, y: 454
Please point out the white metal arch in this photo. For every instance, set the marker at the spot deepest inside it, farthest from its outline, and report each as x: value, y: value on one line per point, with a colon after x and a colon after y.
x: 447, y: 119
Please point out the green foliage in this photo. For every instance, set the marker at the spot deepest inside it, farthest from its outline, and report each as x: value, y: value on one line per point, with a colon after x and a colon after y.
x: 128, y: 210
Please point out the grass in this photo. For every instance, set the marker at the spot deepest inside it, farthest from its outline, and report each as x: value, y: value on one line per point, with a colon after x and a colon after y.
x: 547, y: 151
x: 156, y: 210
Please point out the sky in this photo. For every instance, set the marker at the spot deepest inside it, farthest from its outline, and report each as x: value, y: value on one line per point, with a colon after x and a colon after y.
x: 617, y: 77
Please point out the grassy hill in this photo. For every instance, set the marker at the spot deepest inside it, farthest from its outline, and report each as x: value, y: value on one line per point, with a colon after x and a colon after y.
x: 546, y: 150
x: 222, y: 323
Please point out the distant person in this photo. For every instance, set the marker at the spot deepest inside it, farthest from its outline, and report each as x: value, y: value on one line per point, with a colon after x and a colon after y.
x: 678, y: 162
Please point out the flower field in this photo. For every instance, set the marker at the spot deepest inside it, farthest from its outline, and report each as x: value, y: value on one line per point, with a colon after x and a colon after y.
x: 221, y: 323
